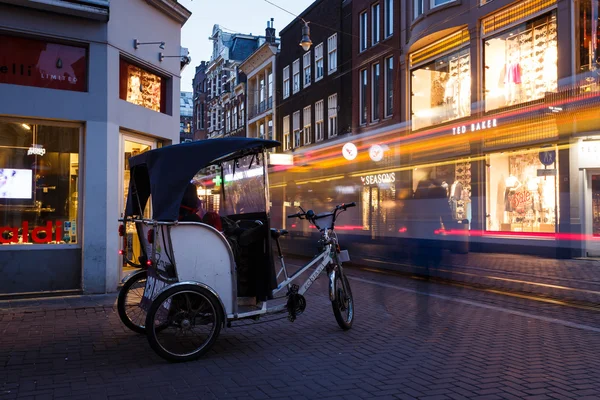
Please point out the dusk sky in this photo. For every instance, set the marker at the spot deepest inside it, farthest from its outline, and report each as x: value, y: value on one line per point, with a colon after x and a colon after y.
x: 243, y: 16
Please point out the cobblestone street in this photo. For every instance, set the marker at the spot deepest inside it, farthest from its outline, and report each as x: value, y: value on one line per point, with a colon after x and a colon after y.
x: 411, y: 339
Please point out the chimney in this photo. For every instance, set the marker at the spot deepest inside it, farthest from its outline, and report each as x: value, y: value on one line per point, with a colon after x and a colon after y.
x: 270, y: 32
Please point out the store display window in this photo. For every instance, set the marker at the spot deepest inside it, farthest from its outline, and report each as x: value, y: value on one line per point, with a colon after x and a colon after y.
x: 39, y: 181
x: 589, y: 31
x: 441, y: 90
x: 455, y: 178
x: 142, y: 87
x: 521, y: 191
x: 521, y: 63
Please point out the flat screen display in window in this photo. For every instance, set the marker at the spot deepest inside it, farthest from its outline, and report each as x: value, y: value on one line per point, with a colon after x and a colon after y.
x: 142, y: 87
x: 521, y: 63
x: 441, y: 90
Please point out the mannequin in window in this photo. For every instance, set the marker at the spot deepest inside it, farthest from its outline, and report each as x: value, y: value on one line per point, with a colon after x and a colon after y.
x: 512, y: 80
x: 512, y: 184
x: 456, y: 191
x: 450, y: 92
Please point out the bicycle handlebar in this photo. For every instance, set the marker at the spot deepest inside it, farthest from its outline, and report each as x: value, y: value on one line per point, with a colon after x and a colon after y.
x: 311, y: 215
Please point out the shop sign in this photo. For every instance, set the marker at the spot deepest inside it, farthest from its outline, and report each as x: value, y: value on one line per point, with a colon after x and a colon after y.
x: 546, y: 172
x: 589, y: 154
x: 36, y: 150
x: 35, y: 233
x: 377, y: 179
x: 349, y: 151
x: 38, y: 63
x: 376, y: 153
x: 476, y: 126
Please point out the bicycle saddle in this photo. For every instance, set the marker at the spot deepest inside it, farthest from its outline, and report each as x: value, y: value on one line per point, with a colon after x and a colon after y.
x: 276, y: 233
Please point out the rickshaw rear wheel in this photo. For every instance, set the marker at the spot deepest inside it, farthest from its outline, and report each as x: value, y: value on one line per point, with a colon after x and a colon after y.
x: 135, y: 324
x: 343, y: 304
x: 173, y: 315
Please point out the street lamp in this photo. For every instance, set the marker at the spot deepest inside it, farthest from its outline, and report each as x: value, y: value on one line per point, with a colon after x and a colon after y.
x: 305, y: 41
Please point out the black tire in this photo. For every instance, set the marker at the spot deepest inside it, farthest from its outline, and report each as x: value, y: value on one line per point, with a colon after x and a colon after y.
x: 343, y: 302
x: 136, y: 281
x: 179, y: 296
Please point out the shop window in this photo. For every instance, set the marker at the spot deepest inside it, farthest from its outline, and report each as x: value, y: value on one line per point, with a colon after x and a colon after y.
x: 455, y: 178
x: 441, y: 90
x: 39, y: 181
x: 589, y: 33
x: 521, y: 192
x: 142, y: 87
x: 521, y: 63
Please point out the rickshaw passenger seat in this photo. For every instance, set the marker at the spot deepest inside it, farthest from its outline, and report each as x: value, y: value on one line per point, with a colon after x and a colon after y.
x: 276, y: 233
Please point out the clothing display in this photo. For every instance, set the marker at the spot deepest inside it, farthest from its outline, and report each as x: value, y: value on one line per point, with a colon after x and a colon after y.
x: 459, y: 196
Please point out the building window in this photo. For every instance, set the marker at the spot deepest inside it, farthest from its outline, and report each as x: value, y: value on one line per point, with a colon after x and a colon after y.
x: 270, y: 87
x: 375, y: 70
x: 242, y: 115
x: 319, y: 134
x: 389, y: 18
x: 296, y: 128
x: 521, y: 63
x: 435, y: 3
x: 319, y: 62
x: 201, y: 116
x: 418, y: 8
x: 362, y: 107
x: 389, y: 87
x: 141, y: 87
x: 286, y: 133
x: 228, y: 122
x: 363, y: 31
x: 375, y: 24
x: 307, y: 125
x: 39, y: 184
x: 518, y: 200
x: 261, y: 130
x: 286, y: 82
x: 332, y: 53
x: 332, y: 128
x: 441, y: 90
x: 296, y: 76
x: 306, y: 67
x: 235, y: 118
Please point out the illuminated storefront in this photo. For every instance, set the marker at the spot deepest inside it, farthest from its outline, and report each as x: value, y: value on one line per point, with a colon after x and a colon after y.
x: 441, y: 81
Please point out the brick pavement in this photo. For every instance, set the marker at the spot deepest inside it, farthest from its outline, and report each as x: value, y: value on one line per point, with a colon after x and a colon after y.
x: 405, y: 344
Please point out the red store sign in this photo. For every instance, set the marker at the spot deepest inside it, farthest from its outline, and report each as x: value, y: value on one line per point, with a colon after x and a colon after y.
x: 31, y: 62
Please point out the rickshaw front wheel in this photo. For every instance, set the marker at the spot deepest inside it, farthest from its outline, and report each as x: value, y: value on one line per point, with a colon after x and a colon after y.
x: 184, y: 322
x: 128, y: 302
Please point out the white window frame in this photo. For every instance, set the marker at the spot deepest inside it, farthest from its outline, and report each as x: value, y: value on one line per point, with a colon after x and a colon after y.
x: 286, y: 133
x: 234, y: 119
x: 363, y: 73
x: 307, y: 124
x: 387, y: 62
x: 388, y: 15
x: 332, y: 120
x: 319, y: 60
x: 306, y: 69
x: 332, y: 54
x: 375, y: 86
x: 286, y: 82
x: 416, y: 12
x: 296, y: 129
x: 376, y: 23
x: 319, y: 133
x: 432, y: 4
x: 363, y: 42
x: 296, y: 76
x: 228, y: 121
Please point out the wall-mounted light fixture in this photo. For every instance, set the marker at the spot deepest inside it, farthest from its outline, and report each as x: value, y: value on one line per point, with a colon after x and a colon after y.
x: 184, y: 59
x: 137, y: 44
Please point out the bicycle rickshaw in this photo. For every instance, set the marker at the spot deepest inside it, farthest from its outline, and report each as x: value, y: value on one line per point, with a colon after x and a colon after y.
x: 197, y: 279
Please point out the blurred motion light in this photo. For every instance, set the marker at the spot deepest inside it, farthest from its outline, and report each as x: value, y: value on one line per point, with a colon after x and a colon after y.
x: 281, y: 159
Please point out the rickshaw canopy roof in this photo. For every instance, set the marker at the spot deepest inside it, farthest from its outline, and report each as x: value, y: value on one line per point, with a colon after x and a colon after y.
x: 166, y: 172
